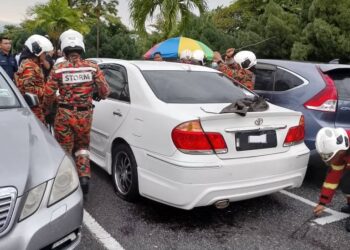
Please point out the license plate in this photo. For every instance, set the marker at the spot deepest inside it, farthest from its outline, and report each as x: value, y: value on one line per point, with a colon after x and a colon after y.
x: 256, y: 140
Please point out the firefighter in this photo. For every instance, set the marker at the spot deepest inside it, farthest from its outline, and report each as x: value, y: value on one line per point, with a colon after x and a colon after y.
x: 185, y: 56
x: 79, y: 82
x: 220, y: 65
x: 198, y: 57
x: 245, y: 61
x: 30, y: 77
x: 229, y: 61
x: 333, y: 147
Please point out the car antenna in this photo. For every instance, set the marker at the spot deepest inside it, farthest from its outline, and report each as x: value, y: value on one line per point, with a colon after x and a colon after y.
x: 254, y: 44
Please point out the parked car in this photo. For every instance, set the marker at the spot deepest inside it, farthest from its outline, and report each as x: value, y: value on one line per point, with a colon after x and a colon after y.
x: 40, y: 199
x: 320, y: 91
x: 160, y: 134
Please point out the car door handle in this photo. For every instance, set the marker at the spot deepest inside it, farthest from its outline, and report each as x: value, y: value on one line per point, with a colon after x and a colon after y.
x: 117, y: 113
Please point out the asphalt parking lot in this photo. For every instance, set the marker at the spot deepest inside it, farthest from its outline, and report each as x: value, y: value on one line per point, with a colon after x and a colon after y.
x: 278, y: 221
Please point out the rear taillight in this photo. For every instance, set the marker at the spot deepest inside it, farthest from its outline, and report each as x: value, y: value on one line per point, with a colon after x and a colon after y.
x: 348, y: 132
x: 295, y: 134
x: 190, y: 138
x: 327, y: 99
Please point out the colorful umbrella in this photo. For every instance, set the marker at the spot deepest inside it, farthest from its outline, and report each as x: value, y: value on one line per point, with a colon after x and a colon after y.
x: 172, y: 48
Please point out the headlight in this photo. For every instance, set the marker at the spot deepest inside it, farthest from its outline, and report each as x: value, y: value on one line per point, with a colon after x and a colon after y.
x: 65, y: 182
x: 33, y: 201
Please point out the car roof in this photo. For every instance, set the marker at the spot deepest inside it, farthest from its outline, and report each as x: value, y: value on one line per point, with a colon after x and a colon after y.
x: 325, y: 67
x: 153, y: 65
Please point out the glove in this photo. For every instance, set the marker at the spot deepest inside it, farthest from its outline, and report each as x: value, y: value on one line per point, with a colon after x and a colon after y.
x: 96, y: 97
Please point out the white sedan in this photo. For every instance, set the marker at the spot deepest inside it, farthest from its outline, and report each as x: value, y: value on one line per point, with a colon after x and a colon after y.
x: 161, y: 134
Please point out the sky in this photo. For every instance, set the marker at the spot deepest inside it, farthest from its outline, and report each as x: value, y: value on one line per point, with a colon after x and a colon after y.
x: 14, y: 11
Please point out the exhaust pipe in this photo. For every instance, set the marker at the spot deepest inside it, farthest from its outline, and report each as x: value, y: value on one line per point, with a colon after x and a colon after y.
x: 221, y: 204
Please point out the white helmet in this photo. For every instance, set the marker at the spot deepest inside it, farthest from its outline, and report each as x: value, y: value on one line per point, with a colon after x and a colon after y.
x: 246, y: 59
x: 330, y: 141
x: 38, y: 44
x: 72, y: 39
x: 198, y: 55
x: 186, y: 54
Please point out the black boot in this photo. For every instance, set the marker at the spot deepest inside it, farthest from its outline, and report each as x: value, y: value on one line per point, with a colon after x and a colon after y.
x: 345, y: 209
x: 347, y: 224
x: 84, y: 183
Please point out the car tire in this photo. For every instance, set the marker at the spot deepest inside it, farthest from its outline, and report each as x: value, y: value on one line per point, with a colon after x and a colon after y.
x: 124, y: 173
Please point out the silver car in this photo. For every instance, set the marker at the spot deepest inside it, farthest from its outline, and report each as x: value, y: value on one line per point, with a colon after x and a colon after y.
x: 41, y: 203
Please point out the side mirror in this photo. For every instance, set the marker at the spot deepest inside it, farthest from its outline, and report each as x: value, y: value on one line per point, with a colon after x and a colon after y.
x: 31, y: 99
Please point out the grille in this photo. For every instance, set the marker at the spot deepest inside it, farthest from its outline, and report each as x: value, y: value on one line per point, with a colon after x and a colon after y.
x: 7, y: 203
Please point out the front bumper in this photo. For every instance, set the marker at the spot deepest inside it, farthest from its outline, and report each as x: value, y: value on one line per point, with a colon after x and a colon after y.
x: 58, y: 225
x: 186, y: 185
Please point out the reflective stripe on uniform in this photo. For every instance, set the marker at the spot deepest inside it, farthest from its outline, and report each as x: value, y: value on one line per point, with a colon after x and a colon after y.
x: 82, y: 152
x: 75, y: 69
x: 330, y: 185
x: 77, y: 77
x: 337, y: 168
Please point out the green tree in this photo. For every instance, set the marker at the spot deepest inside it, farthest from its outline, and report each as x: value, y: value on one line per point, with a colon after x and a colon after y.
x: 18, y: 35
x: 95, y: 11
x: 237, y: 15
x: 326, y: 34
x: 116, y: 42
x: 202, y: 29
x: 55, y: 17
x: 173, y: 14
x: 271, y: 27
x: 280, y: 25
x: 240, y: 13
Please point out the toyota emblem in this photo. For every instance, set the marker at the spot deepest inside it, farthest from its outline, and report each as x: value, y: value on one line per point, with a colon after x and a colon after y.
x: 259, y: 121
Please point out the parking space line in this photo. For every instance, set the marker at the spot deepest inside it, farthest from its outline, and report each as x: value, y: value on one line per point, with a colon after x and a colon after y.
x: 100, y: 233
x: 335, y: 215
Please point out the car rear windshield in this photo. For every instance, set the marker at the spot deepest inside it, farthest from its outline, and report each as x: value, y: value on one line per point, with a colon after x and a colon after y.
x: 342, y: 81
x: 194, y: 87
x: 8, y: 98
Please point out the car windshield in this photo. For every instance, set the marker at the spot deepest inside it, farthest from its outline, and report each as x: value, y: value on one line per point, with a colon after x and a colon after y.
x: 8, y: 98
x: 194, y: 87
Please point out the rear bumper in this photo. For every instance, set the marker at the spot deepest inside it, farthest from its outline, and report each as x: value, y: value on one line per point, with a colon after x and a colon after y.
x: 59, y: 224
x: 191, y: 184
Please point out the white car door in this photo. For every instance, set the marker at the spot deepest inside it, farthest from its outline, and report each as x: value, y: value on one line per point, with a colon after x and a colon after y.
x: 109, y: 114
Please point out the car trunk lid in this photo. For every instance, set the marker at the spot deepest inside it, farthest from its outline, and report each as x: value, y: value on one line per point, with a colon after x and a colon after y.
x: 257, y: 133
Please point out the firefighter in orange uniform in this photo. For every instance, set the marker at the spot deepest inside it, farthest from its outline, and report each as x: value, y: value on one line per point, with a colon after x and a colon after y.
x: 244, y: 62
x: 30, y: 77
x: 220, y: 65
x: 333, y: 147
x: 76, y: 80
x: 237, y: 67
x: 229, y: 61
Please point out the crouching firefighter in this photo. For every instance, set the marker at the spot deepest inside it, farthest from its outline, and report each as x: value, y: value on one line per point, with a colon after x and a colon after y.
x: 76, y: 80
x: 333, y: 147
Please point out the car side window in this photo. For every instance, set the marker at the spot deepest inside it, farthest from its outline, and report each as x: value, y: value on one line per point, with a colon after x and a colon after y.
x: 285, y: 80
x: 264, y: 79
x: 341, y: 78
x: 116, y: 77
